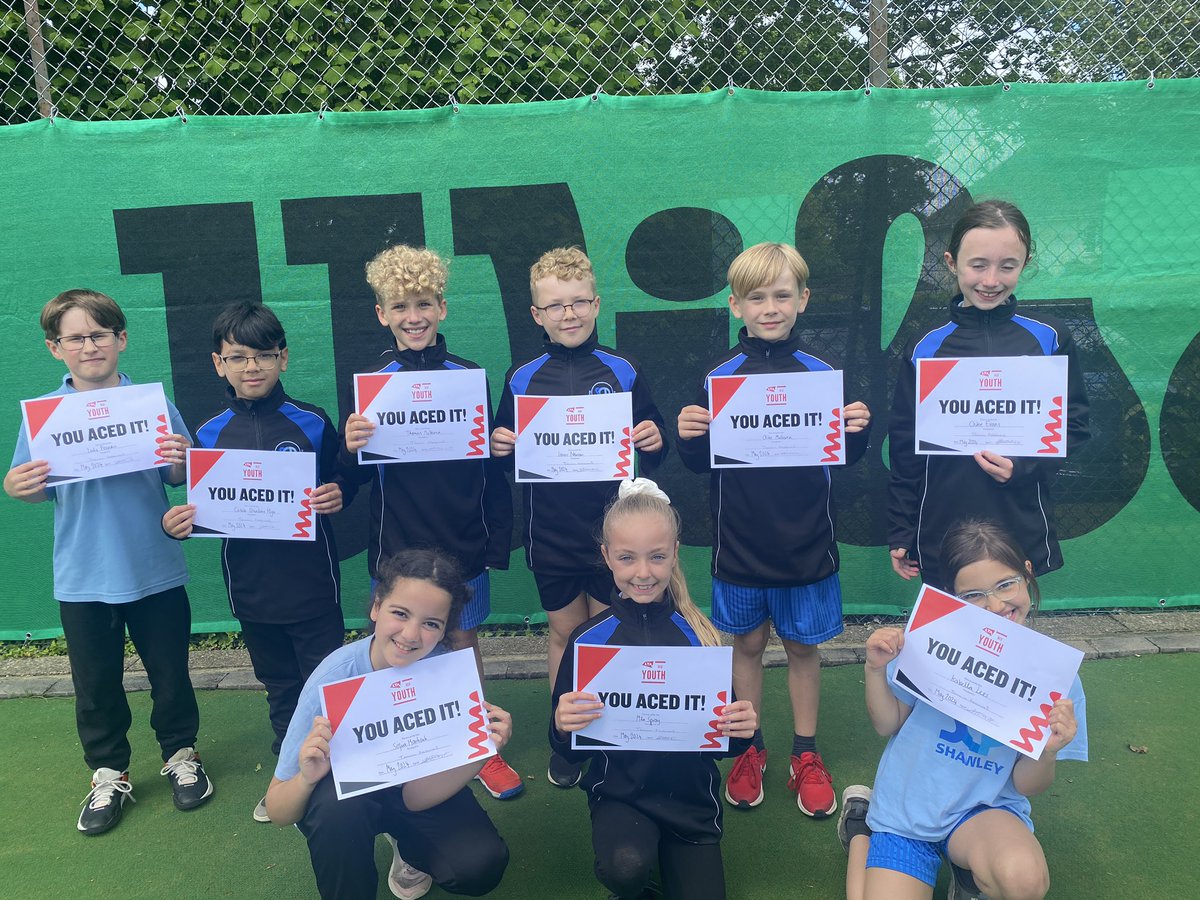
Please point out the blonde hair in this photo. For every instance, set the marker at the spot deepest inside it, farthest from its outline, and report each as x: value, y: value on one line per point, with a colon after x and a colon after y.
x: 563, y: 263
x: 648, y: 503
x: 402, y: 270
x: 762, y: 264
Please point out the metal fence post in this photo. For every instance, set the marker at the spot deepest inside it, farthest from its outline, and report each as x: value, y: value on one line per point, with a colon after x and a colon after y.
x: 877, y: 42
x: 37, y: 56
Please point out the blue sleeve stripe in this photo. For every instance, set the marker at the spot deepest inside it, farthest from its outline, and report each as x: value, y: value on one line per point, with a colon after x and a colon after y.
x: 209, y: 433
x: 310, y: 423
x: 620, y: 367
x: 1045, y: 334
x: 928, y: 345
x: 600, y: 632
x: 393, y: 366
x: 682, y: 624
x: 521, y: 378
x: 728, y: 367
x: 451, y: 365
x: 811, y: 362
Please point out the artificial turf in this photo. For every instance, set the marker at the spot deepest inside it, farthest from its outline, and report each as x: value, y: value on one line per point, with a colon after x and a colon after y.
x: 1122, y: 826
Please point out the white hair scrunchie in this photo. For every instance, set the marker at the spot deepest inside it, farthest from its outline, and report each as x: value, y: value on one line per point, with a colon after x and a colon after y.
x: 631, y: 486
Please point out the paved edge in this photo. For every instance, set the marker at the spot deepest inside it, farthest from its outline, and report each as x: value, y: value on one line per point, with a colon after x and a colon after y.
x: 498, y: 665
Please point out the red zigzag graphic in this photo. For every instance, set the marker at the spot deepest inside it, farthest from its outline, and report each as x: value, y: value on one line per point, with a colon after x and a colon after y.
x: 714, y: 736
x: 304, y: 517
x: 476, y: 442
x: 1053, y: 428
x: 479, y: 742
x: 834, y: 437
x: 623, y: 462
x: 1036, y: 723
x: 163, y: 430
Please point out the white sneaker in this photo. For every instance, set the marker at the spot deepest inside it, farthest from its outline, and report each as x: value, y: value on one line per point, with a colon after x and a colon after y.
x: 260, y: 811
x: 406, y: 882
x: 103, y: 805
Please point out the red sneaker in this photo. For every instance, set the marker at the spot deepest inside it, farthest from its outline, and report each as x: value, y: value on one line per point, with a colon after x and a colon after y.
x: 499, y: 779
x: 813, y: 786
x: 744, y: 786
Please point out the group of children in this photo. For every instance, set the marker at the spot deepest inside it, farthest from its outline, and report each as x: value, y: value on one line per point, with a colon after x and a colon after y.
x: 437, y: 528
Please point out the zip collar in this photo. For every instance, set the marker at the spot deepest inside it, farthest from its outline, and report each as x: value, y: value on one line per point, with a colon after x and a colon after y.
x: 755, y: 346
x: 432, y: 357
x: 628, y: 610
x: 972, y: 316
x: 267, y: 404
x: 558, y: 351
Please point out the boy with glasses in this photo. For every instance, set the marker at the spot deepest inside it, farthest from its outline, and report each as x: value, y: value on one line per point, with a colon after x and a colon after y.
x: 561, y: 519
x: 285, y: 594
x: 114, y: 569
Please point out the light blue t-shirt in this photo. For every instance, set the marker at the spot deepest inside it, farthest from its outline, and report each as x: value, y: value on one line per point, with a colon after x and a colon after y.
x: 109, y: 546
x: 935, y: 770
x: 344, y: 662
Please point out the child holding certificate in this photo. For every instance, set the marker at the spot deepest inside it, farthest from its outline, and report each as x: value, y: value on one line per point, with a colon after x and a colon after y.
x: 285, y: 594
x: 465, y: 507
x: 561, y: 518
x: 791, y: 578
x: 434, y: 822
x: 114, y: 570
x: 989, y: 248
x: 943, y: 790
x: 648, y: 807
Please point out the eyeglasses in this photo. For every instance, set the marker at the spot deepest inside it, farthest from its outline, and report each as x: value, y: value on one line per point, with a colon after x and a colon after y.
x: 1005, y: 590
x: 101, y: 340
x: 556, y: 311
x: 238, y: 363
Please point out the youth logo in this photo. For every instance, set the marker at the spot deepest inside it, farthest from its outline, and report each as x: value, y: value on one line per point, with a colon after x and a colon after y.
x: 777, y: 395
x: 97, y: 409
x: 252, y: 471
x: 575, y: 415
x: 403, y: 691
x: 654, y: 671
x: 422, y: 392
x: 991, y: 641
x: 991, y: 380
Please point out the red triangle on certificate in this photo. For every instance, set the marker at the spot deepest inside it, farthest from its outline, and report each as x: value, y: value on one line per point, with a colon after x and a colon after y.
x: 369, y: 387
x: 527, y: 408
x: 199, y: 462
x: 932, y: 373
x: 932, y: 604
x: 591, y: 661
x: 722, y: 390
x: 38, y: 411
x: 338, y: 698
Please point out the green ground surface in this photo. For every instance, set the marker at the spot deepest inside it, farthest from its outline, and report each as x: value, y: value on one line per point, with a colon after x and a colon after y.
x: 1122, y: 826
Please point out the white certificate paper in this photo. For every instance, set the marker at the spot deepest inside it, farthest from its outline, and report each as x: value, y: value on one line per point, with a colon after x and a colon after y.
x: 655, y: 698
x: 399, y: 724
x: 1013, y: 405
x: 576, y: 438
x: 91, y: 434
x: 424, y: 416
x: 783, y: 419
x: 989, y: 673
x: 259, y: 494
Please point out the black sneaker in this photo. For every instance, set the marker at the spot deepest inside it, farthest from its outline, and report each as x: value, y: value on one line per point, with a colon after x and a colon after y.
x: 963, y: 886
x: 189, y: 785
x: 856, y: 800
x: 103, y: 805
x: 563, y: 772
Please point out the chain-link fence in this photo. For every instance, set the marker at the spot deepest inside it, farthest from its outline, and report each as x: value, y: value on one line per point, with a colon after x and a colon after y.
x: 120, y: 59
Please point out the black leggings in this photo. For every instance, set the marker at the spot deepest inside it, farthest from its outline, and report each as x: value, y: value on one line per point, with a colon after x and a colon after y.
x: 627, y: 844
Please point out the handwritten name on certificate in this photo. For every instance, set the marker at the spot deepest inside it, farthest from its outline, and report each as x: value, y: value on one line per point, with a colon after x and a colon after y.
x: 655, y: 698
x: 400, y: 724
x: 989, y: 673
x: 259, y: 494
x: 784, y: 419
x: 92, y: 434
x: 1014, y: 405
x: 424, y: 416
x: 576, y: 438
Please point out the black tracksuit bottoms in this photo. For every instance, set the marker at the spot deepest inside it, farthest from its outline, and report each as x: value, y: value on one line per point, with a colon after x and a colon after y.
x: 159, y: 626
x: 454, y: 842
x: 627, y: 843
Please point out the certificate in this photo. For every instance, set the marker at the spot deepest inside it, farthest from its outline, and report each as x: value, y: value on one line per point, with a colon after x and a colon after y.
x: 260, y: 494
x: 399, y: 724
x: 989, y: 673
x: 655, y: 698
x: 781, y: 419
x: 1010, y: 404
x: 574, y: 438
x: 424, y: 416
x: 91, y: 434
